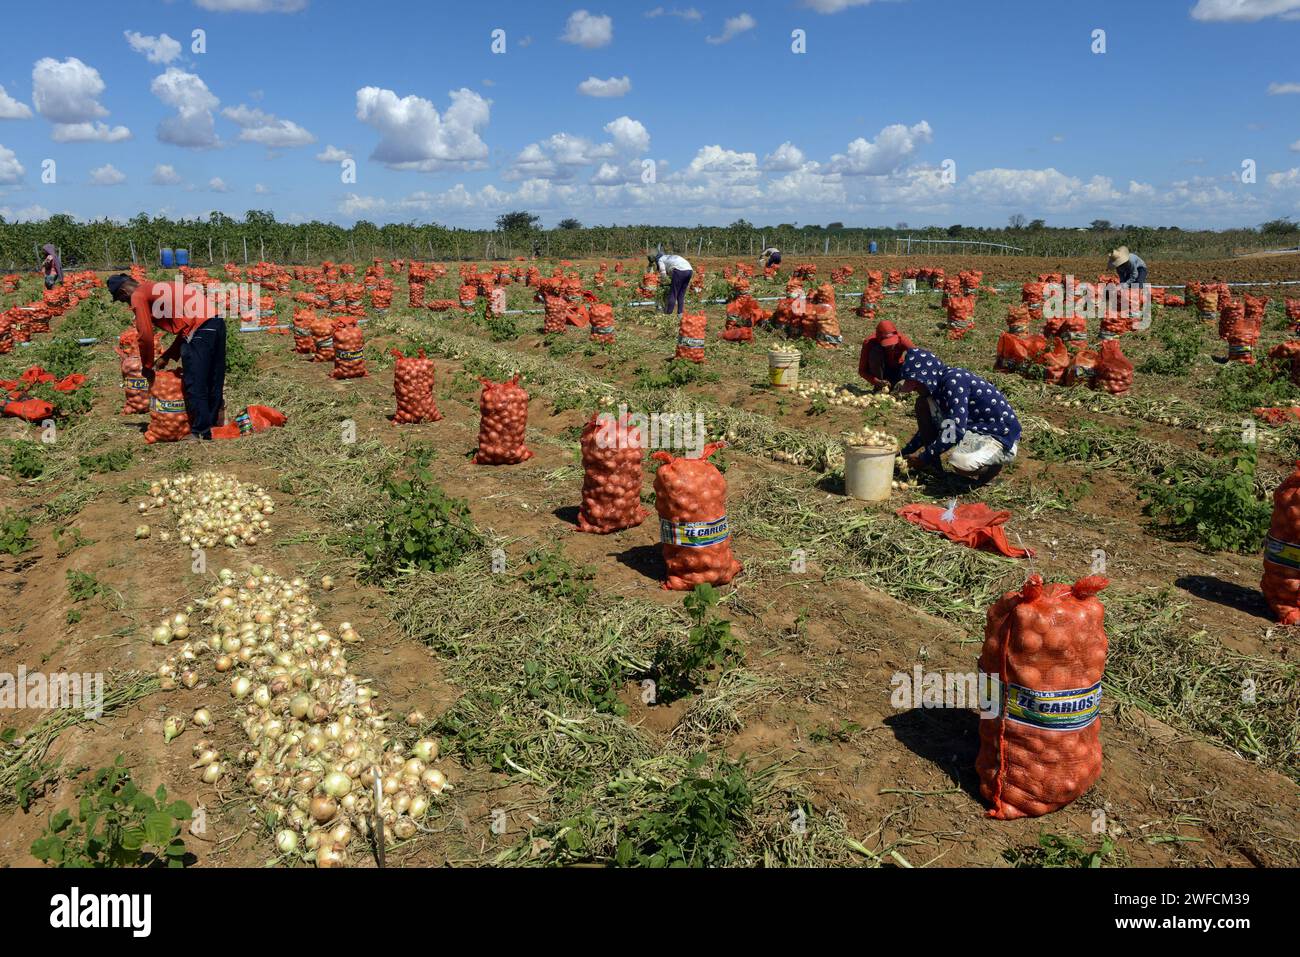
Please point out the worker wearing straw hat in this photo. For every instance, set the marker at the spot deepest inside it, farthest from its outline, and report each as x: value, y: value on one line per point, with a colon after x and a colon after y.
x: 1130, y: 267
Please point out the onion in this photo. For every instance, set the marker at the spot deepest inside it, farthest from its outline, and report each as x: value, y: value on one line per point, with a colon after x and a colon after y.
x: 327, y: 855
x: 172, y: 727
x: 202, y: 717
x: 426, y: 749
x: 240, y: 686
x: 212, y: 773
x: 336, y: 784
x: 434, y: 780
x: 287, y: 841
x: 323, y: 808
x: 161, y: 635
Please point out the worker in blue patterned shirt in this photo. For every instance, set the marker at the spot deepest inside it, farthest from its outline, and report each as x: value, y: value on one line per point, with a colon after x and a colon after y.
x: 959, y: 411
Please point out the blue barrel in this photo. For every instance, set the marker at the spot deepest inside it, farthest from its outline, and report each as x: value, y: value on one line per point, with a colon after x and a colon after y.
x: 182, y: 257
x: 167, y: 259
x: 871, y: 248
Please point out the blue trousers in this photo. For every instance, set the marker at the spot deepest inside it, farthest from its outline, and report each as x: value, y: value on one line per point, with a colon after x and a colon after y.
x: 675, y: 296
x: 203, y: 362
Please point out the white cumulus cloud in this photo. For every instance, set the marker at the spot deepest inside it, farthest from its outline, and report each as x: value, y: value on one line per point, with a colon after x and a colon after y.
x: 11, y: 171
x: 11, y: 109
x: 1246, y: 11
x: 107, y: 175
x: 66, y: 92
x: 733, y: 27
x: 165, y: 175
x: 689, y: 13
x: 413, y: 135
x: 614, y: 86
x: 160, y: 49
x: 218, y: 185
x: 265, y: 128
x: 192, y: 126
x: 784, y: 158
x: 1276, y: 89
x: 893, y: 146
x: 332, y: 154
x: 588, y: 30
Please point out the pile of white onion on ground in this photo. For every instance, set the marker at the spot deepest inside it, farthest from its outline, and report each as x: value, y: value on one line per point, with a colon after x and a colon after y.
x: 844, y: 395
x: 317, y: 739
x: 210, y: 508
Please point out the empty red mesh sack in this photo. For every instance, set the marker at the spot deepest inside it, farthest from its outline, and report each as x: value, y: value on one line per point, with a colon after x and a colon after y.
x: 1046, y: 645
x: 691, y: 499
x: 613, y: 454
x: 349, y: 351
x: 602, y: 323
x: 690, y: 336
x: 1281, y: 581
x: 1055, y: 362
x: 1114, y: 373
x: 413, y: 389
x: 168, y: 420
x: 322, y: 338
x: 503, y: 423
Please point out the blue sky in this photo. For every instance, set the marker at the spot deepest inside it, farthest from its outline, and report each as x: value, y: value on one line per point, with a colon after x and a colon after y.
x: 924, y: 111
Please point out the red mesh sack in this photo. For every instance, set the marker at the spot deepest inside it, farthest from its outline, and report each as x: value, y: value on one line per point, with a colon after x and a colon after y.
x: 503, y: 423
x: 691, y: 499
x: 602, y: 323
x: 1083, y: 366
x: 1055, y: 362
x: 322, y: 339
x: 1046, y: 644
x: 1014, y: 353
x: 6, y: 335
x: 1114, y: 373
x: 1281, y: 581
x: 413, y: 388
x: 349, y: 350
x: 168, y: 420
x: 415, y: 295
x: 825, y: 326
x: 690, y: 336
x: 302, y: 328
x: 613, y: 455
x: 33, y: 410
x: 556, y: 314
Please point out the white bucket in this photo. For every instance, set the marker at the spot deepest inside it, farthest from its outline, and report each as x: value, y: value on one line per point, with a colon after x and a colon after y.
x: 909, y: 287
x: 869, y: 472
x: 783, y: 367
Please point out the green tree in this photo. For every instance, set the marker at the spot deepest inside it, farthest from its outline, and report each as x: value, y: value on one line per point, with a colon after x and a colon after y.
x: 569, y: 223
x: 519, y: 221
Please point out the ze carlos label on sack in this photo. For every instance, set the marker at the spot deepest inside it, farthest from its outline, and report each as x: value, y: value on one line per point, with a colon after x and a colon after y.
x: 169, y: 406
x: 1069, y: 710
x: 1280, y: 552
x: 693, y: 534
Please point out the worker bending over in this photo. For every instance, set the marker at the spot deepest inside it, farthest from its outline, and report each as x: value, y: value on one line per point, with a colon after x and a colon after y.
x: 200, y: 343
x: 881, y: 360
x: 678, y: 272
x: 1130, y: 267
x: 957, y: 410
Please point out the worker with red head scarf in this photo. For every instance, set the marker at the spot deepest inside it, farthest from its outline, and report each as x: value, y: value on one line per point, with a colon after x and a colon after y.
x: 881, y: 359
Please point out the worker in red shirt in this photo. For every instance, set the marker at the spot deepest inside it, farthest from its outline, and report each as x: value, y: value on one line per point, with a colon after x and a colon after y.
x: 200, y: 343
x: 881, y: 359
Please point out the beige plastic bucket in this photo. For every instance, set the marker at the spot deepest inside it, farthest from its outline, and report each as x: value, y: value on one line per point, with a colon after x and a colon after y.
x: 909, y: 287
x: 783, y: 367
x: 869, y: 472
